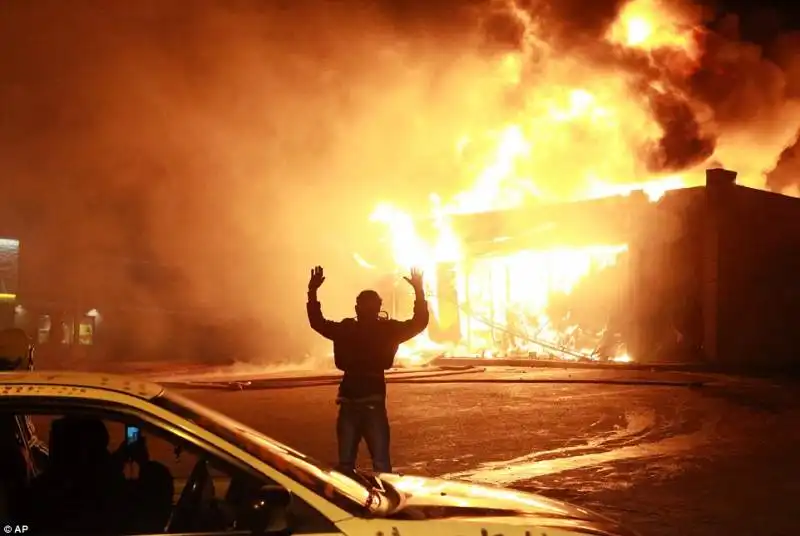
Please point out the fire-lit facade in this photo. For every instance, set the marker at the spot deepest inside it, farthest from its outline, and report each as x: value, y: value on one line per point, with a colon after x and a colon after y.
x: 703, y: 273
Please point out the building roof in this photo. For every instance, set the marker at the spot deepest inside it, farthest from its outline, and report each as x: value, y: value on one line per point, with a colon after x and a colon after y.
x: 12, y: 381
x: 602, y: 221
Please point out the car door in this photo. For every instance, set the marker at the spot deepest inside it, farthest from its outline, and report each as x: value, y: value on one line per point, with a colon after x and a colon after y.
x: 177, y: 466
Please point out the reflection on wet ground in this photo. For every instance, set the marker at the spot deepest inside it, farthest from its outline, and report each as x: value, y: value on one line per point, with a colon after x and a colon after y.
x: 715, y: 460
x: 633, y: 440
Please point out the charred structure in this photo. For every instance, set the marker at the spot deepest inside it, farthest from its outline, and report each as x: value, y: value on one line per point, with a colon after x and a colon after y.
x: 702, y: 274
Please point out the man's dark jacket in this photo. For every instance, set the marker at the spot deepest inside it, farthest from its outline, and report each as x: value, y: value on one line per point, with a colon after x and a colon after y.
x: 364, y: 350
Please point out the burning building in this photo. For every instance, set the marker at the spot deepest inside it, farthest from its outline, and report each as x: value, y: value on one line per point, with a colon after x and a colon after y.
x: 577, y: 224
x: 702, y: 273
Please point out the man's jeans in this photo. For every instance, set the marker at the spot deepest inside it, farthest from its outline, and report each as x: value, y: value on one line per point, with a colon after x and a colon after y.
x: 367, y: 420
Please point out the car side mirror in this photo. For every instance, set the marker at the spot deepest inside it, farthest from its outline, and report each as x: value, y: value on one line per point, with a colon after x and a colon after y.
x: 267, y: 511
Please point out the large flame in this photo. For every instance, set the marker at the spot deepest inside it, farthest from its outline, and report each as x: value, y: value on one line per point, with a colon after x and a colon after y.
x: 585, y: 123
x: 652, y: 25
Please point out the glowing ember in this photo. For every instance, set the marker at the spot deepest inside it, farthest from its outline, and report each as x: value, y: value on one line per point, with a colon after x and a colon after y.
x: 624, y: 358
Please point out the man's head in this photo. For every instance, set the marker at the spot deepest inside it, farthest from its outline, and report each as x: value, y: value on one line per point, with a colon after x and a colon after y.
x: 368, y: 305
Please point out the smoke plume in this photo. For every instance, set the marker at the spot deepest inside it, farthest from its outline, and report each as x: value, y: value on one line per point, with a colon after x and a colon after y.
x: 190, y: 162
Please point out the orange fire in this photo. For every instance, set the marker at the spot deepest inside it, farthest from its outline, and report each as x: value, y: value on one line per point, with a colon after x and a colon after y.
x: 651, y: 25
x: 575, y: 121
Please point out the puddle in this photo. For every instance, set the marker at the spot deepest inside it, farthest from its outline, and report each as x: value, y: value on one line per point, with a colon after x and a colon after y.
x: 637, y: 424
x: 512, y: 473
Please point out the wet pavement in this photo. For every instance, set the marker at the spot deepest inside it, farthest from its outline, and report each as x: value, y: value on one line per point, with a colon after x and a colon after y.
x: 667, y: 460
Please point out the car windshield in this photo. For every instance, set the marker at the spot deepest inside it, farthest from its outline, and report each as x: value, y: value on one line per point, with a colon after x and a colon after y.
x: 340, y: 489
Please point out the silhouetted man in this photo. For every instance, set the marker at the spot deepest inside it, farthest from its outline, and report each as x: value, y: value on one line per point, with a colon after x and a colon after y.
x: 363, y: 348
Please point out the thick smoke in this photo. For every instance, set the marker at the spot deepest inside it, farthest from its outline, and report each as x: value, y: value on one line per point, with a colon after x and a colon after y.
x: 785, y: 176
x: 734, y: 93
x: 750, y: 90
x: 573, y: 23
x: 739, y: 91
x: 191, y: 161
x: 683, y: 143
x: 181, y: 167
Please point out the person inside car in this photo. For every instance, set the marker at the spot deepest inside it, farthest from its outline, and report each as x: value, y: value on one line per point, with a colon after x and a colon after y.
x: 150, y: 495
x: 83, y: 489
x: 22, y: 454
x: 16, y: 469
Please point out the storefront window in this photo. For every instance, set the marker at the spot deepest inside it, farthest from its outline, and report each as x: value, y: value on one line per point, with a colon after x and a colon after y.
x: 86, y: 331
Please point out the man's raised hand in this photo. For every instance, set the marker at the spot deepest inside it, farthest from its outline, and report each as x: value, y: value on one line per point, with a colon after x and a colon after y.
x: 415, y: 279
x: 317, y: 278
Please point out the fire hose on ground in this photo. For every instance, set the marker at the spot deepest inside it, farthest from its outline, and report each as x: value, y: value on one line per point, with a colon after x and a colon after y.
x: 308, y: 381
x: 441, y: 377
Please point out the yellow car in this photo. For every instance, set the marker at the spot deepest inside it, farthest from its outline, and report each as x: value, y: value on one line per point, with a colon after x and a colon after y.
x: 129, y: 457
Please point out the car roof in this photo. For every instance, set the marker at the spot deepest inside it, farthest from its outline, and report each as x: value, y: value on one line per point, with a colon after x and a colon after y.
x: 55, y: 381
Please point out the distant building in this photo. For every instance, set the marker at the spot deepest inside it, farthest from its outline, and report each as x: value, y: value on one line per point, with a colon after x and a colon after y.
x: 94, y: 307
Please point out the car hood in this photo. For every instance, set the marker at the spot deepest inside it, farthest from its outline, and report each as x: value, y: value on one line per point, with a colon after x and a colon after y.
x: 431, y: 498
